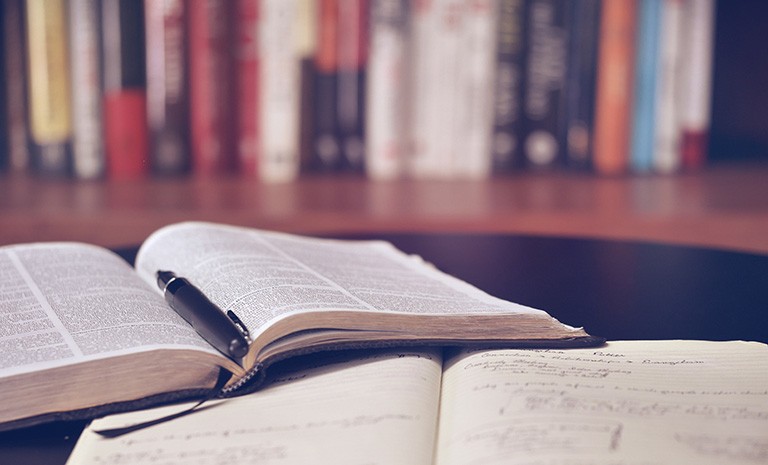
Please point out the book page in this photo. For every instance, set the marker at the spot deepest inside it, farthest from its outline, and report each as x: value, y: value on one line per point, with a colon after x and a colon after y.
x: 63, y: 303
x: 378, y: 409
x: 260, y: 275
x: 628, y: 403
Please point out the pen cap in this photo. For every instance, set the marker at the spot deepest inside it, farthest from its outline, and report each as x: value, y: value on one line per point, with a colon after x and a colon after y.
x: 164, y: 277
x: 238, y: 348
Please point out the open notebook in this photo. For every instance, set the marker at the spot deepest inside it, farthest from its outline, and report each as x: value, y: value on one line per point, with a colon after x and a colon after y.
x: 638, y: 402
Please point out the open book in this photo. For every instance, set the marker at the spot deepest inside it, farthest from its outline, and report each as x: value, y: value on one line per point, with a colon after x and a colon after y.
x: 83, y: 333
x: 629, y: 402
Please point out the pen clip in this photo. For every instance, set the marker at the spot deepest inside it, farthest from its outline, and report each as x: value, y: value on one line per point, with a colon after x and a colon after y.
x: 240, y: 325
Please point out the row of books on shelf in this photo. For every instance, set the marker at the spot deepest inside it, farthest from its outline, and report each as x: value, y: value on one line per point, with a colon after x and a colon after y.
x: 391, y: 88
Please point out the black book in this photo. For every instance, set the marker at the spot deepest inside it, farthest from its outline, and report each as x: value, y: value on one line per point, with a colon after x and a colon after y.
x: 508, y: 93
x: 584, y: 18
x: 543, y: 99
x: 167, y: 86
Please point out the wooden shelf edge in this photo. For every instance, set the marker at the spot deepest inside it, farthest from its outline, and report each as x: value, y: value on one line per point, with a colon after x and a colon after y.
x: 723, y: 207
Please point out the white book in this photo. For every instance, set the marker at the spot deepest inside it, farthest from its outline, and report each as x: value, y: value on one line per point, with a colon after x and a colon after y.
x: 476, y: 76
x: 85, y: 66
x: 452, y: 116
x: 387, y: 90
x: 666, y: 157
x: 436, y: 39
x: 279, y: 74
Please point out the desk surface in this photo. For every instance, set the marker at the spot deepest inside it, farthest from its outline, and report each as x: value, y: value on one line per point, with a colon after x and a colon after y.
x: 618, y: 290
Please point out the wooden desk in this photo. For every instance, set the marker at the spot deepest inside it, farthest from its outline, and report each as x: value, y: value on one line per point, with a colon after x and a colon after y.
x: 619, y: 290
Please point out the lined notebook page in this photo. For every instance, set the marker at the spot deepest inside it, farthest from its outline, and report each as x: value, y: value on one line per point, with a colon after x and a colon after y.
x: 379, y: 410
x: 647, y: 402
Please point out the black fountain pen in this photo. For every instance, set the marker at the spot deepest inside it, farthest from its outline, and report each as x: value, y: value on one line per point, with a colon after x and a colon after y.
x: 224, y: 331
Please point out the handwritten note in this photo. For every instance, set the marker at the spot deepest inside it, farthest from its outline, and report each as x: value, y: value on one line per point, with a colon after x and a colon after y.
x: 376, y: 410
x: 627, y: 403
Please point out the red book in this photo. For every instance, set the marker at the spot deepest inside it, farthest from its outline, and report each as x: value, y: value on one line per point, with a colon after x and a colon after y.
x: 248, y: 148
x: 694, y: 147
x: 125, y: 107
x: 125, y: 126
x: 212, y: 86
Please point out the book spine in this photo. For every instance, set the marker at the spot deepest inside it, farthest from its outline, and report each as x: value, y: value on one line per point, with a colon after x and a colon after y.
x: 211, y: 62
x: 4, y: 145
x: 352, y: 54
x: 386, y: 89
x: 421, y: 160
x: 508, y: 85
x: 667, y: 158
x: 14, y: 45
x: 437, y: 31
x: 307, y: 48
x: 696, y: 75
x: 580, y: 83
x: 644, y: 104
x: 248, y: 98
x: 475, y: 94
x: 50, y: 122
x: 85, y: 64
x: 125, y: 105
x: 125, y: 118
x: 279, y: 78
x: 326, y: 147
x: 167, y: 86
x: 615, y: 74
x: 544, y: 95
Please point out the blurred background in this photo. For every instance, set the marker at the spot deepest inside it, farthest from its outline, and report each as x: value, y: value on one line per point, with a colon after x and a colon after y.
x: 622, y: 119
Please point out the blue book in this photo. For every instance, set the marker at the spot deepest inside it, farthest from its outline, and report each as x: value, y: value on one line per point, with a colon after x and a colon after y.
x: 646, y: 67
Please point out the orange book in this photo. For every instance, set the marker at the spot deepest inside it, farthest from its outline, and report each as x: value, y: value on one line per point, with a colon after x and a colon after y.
x: 615, y: 71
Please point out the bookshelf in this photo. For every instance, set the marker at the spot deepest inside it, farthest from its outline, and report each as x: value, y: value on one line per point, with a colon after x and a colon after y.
x: 723, y: 206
